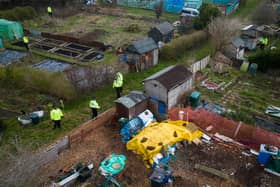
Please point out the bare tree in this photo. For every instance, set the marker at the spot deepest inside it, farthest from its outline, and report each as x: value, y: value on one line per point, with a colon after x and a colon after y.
x: 159, y: 9
x: 19, y: 166
x: 223, y: 30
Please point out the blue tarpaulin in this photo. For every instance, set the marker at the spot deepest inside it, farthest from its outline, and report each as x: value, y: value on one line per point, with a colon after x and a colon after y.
x: 173, y: 5
x: 131, y: 129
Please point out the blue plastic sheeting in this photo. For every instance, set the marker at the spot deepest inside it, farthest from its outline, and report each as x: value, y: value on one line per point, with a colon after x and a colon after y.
x: 196, y: 4
x: 131, y: 129
x: 52, y: 65
x: 233, y: 5
x: 10, y: 56
x: 174, y: 5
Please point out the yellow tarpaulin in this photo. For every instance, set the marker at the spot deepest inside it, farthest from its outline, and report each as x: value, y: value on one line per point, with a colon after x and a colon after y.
x: 156, y: 136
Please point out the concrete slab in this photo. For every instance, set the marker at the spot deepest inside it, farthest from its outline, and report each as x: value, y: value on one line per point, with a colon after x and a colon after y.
x: 10, y: 56
x: 52, y: 65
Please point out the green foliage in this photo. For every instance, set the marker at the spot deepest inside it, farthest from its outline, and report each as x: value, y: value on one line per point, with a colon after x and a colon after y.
x: 179, y: 46
x: 19, y: 13
x: 133, y: 28
x: 207, y: 12
x: 266, y: 59
x: 34, y: 80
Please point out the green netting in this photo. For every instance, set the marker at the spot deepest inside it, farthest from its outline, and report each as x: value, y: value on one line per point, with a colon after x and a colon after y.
x: 147, y: 4
x: 10, y: 30
x: 1, y: 44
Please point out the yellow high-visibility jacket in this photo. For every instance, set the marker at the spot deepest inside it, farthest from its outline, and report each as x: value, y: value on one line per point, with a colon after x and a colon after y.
x: 25, y: 40
x: 94, y: 104
x: 49, y: 9
x: 56, y: 114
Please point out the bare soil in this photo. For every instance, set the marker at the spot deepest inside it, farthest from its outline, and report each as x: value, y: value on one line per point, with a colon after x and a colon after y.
x: 243, y: 170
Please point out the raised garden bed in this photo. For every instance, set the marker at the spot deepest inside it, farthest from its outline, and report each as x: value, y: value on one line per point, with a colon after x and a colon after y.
x: 67, y: 53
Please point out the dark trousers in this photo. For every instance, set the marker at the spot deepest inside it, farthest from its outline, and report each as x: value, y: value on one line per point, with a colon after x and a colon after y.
x: 50, y: 14
x: 56, y: 123
x: 26, y: 46
x: 94, y: 112
x: 118, y: 91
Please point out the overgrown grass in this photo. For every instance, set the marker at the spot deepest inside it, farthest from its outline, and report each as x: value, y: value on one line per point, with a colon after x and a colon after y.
x: 54, y: 84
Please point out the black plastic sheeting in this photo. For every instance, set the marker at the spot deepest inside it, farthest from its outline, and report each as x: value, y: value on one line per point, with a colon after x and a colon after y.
x: 267, y: 124
x: 10, y: 56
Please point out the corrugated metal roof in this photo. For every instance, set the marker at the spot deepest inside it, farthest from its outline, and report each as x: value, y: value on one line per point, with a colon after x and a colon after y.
x: 142, y: 46
x: 171, y: 76
x: 132, y: 99
x: 165, y: 28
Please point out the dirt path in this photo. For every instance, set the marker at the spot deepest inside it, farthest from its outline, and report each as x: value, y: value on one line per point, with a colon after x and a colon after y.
x: 106, y: 140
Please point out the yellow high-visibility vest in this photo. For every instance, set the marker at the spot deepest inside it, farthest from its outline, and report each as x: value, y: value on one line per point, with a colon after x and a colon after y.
x: 49, y: 9
x: 25, y: 39
x: 94, y: 104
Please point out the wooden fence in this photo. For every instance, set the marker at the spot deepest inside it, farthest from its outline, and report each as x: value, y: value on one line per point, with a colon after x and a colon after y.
x: 199, y: 65
x: 80, y: 133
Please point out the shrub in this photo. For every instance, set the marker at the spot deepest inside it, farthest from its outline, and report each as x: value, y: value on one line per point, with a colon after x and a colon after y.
x: 206, y: 14
x: 133, y: 28
x: 266, y: 59
x: 19, y: 13
x: 179, y: 46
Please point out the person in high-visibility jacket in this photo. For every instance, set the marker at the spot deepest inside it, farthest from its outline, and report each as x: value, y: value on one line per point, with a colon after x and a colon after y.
x: 263, y: 42
x: 49, y: 9
x: 118, y: 84
x: 56, y: 115
x: 94, y: 107
x: 26, y: 42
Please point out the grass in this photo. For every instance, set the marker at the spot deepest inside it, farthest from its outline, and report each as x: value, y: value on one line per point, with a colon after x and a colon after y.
x: 78, y: 111
x: 246, y: 10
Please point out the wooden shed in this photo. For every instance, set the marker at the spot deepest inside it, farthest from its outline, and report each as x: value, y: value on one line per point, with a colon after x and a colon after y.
x: 132, y: 104
x: 162, y: 32
x: 142, y: 54
x: 169, y: 84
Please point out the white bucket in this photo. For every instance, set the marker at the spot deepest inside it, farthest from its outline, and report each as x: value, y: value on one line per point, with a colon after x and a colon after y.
x: 181, y: 115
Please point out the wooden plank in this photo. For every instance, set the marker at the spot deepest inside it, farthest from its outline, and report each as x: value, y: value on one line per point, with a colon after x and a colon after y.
x: 212, y: 171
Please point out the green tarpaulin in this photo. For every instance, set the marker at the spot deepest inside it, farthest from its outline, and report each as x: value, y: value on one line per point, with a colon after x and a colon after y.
x: 10, y: 30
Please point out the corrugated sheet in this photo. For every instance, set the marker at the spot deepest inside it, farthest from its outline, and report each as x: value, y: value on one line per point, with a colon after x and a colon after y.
x: 142, y: 46
x: 132, y: 99
x: 171, y: 76
x: 165, y: 28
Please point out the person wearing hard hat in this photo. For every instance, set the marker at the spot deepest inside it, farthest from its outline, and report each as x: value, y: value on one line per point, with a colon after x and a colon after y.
x: 94, y: 107
x: 56, y: 116
x: 26, y: 42
x: 49, y: 9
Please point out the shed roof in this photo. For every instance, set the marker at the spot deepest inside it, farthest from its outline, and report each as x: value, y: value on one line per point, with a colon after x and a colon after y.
x: 238, y: 42
x: 250, y: 27
x: 132, y: 99
x: 165, y: 28
x: 171, y: 76
x: 142, y: 46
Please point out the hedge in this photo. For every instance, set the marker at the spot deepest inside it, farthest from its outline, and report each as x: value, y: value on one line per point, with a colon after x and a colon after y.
x: 179, y: 46
x: 266, y: 59
x: 19, y: 13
